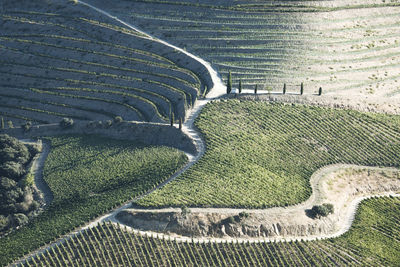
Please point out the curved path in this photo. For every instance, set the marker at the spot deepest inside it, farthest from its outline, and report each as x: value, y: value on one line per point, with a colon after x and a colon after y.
x: 217, y: 90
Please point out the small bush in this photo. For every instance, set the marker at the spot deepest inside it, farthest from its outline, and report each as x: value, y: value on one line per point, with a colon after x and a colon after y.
x: 27, y: 126
x: 20, y: 219
x: 108, y: 123
x: 185, y: 211
x: 118, y: 119
x: 243, y: 214
x: 66, y: 123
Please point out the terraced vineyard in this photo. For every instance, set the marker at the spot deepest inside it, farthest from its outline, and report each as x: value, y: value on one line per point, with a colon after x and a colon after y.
x: 89, y: 176
x: 372, y: 241
x: 347, y: 47
x: 60, y: 60
x: 263, y: 154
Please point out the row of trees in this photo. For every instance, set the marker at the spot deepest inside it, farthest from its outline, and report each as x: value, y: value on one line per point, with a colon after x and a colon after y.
x: 240, y: 87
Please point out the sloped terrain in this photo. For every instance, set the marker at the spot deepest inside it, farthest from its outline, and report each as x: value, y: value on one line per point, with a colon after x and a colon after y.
x: 346, y: 47
x: 60, y: 60
x: 372, y: 241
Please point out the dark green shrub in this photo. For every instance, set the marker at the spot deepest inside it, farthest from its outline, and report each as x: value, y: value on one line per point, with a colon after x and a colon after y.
x: 4, y: 222
x: 13, y: 150
x: 12, y: 169
x: 7, y: 184
x: 66, y: 123
x: 243, y: 214
x: 19, y: 219
x: 33, y: 149
x: 27, y: 126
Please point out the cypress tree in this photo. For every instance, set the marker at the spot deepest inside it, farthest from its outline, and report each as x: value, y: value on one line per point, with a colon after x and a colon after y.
x: 240, y: 86
x: 2, y: 123
x: 229, y: 85
x: 301, y: 89
x: 180, y: 123
x: 171, y: 116
x: 284, y: 88
x: 320, y: 91
x: 205, y: 91
x: 255, y: 89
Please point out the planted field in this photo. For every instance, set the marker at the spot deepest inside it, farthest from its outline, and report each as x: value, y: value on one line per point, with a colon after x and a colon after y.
x: 372, y: 241
x: 61, y: 60
x: 263, y: 154
x: 89, y: 176
x: 346, y: 47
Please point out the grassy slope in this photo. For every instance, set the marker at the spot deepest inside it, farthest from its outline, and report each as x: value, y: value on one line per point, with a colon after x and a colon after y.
x: 263, y: 155
x: 88, y: 176
x: 363, y: 245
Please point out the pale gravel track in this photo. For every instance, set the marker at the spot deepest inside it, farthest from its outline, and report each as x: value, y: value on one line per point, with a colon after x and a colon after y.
x: 216, y: 91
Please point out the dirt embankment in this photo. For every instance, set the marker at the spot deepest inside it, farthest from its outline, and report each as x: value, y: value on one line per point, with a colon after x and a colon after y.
x: 340, y: 185
x: 145, y: 133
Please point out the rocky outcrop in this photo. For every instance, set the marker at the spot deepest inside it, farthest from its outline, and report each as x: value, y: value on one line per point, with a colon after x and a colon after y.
x: 220, y: 225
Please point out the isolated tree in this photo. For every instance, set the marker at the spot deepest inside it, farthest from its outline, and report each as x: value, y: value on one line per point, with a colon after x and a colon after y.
x: 240, y: 86
x: 2, y: 123
x: 229, y: 84
x: 301, y: 89
x: 255, y: 89
x: 180, y: 123
x: 10, y: 124
x: 320, y: 91
x: 284, y: 88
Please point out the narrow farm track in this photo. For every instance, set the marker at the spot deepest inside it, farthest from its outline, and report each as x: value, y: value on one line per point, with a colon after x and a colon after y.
x: 217, y: 90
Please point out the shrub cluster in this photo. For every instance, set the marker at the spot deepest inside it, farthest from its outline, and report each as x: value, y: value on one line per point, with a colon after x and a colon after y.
x: 16, y: 199
x: 66, y: 123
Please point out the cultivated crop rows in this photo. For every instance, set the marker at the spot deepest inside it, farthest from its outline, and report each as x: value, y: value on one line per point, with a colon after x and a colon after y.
x: 64, y: 63
x: 263, y: 155
x: 348, y: 49
x: 88, y: 176
x: 111, y: 245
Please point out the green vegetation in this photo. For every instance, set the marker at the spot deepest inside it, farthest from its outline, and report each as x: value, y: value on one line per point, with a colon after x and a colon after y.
x: 16, y: 199
x: 323, y: 210
x: 88, y: 176
x: 263, y: 154
x: 373, y: 240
